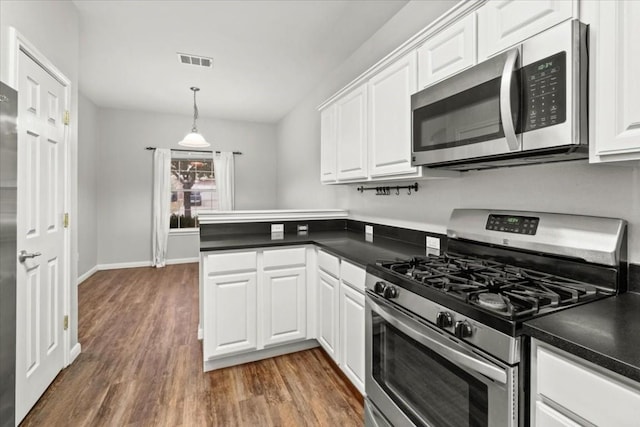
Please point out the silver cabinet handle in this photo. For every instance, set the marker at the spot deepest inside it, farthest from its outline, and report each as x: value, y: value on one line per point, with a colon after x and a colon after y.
x: 510, y: 65
x: 469, y: 361
x: 23, y: 255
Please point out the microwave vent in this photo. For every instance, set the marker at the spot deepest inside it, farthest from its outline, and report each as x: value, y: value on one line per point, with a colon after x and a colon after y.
x: 199, y: 61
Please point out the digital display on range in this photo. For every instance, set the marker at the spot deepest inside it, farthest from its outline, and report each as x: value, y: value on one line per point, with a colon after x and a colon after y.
x: 513, y: 224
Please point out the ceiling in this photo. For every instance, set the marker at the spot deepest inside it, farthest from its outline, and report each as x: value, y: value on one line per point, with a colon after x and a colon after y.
x: 267, y: 55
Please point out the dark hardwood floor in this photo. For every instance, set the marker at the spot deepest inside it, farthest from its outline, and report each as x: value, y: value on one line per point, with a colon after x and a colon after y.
x: 141, y: 364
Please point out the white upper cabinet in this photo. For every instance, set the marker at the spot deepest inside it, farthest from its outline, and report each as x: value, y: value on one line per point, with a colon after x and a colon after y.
x: 449, y: 51
x: 328, y: 144
x: 390, y: 118
x: 351, y: 115
x: 504, y: 23
x: 615, y: 71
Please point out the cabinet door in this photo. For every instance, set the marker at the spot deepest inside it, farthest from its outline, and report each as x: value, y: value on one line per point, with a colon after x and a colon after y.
x: 390, y: 118
x: 328, y: 315
x: 328, y: 144
x: 617, y: 87
x: 448, y: 52
x: 285, y: 305
x: 230, y: 306
x: 352, y: 318
x: 351, y: 113
x: 504, y: 23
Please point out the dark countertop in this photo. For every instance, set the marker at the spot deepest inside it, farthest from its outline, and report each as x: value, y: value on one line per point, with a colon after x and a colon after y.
x: 346, y: 244
x: 605, y: 332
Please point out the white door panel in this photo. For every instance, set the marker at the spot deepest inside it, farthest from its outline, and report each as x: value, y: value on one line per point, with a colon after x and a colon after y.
x: 41, y: 195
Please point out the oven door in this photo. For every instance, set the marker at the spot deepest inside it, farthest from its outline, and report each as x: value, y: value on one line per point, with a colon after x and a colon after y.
x: 472, y: 114
x: 418, y: 375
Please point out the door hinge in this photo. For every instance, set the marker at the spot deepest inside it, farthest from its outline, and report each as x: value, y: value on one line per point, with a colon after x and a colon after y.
x: 66, y: 220
x: 66, y: 322
x: 66, y: 118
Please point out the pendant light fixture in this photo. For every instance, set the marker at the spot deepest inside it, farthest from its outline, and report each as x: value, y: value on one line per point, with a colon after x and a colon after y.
x: 194, y: 139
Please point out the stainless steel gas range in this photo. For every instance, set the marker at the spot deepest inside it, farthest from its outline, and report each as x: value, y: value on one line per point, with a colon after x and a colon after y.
x: 443, y: 344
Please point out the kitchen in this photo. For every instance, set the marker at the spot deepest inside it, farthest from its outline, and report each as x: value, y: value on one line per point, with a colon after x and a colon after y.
x: 287, y: 154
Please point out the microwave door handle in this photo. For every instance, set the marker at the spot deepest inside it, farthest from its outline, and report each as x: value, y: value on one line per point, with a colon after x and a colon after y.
x: 505, y: 99
x: 443, y: 350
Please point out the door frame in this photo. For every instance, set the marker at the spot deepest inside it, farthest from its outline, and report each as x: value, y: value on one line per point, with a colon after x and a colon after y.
x: 18, y: 43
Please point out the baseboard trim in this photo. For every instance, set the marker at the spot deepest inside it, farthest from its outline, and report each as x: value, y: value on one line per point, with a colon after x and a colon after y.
x: 74, y: 353
x: 88, y: 274
x: 252, y: 356
x: 137, y: 264
x: 183, y: 260
x: 118, y: 265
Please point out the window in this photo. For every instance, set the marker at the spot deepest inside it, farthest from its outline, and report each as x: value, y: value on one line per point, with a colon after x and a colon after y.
x: 193, y: 188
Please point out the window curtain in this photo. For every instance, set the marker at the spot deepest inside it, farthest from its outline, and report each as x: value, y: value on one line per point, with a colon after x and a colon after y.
x: 161, y: 204
x: 224, y: 171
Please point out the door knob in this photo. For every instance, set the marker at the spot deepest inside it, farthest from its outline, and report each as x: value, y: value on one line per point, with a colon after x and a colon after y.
x: 23, y: 255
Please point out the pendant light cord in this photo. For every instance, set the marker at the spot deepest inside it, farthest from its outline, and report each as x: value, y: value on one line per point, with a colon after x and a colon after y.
x: 195, y: 112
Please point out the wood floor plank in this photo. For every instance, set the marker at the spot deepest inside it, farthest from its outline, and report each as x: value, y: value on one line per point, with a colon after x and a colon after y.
x: 141, y: 364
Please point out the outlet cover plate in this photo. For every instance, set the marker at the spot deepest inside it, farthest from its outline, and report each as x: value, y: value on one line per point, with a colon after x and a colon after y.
x: 277, y: 228
x: 368, y: 229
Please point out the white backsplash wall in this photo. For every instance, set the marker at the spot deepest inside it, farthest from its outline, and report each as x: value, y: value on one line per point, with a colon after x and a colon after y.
x: 570, y: 187
x: 125, y: 176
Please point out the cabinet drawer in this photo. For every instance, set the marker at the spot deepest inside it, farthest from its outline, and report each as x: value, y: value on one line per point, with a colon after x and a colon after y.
x: 284, y: 257
x: 329, y: 263
x: 548, y: 417
x: 590, y: 394
x: 228, y: 262
x: 352, y: 275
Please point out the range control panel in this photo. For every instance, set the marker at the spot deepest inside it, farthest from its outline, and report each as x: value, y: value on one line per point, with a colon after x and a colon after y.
x: 544, y: 92
x: 513, y: 224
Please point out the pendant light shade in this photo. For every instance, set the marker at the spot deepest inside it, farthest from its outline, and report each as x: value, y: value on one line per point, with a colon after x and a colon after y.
x: 194, y: 139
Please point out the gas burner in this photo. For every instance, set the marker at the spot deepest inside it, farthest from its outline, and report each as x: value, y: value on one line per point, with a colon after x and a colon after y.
x: 506, y: 290
x: 492, y: 301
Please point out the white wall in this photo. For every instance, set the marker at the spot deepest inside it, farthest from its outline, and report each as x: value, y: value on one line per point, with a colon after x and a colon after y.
x: 87, y: 185
x: 53, y: 28
x: 125, y: 176
x: 570, y: 187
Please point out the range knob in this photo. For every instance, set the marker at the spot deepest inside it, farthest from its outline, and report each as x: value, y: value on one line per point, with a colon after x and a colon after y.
x: 463, y: 329
x: 444, y: 319
x: 379, y: 287
x: 390, y: 292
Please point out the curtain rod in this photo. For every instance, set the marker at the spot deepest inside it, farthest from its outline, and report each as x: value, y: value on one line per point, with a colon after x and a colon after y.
x: 193, y: 151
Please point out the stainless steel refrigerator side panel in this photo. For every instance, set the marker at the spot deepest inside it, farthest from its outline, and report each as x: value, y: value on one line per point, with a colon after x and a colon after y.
x: 8, y: 250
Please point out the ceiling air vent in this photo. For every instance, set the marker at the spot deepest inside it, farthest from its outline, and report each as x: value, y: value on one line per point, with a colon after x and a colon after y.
x: 200, y: 61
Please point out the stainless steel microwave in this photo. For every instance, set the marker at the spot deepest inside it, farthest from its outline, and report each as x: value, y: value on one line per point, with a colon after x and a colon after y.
x: 526, y: 105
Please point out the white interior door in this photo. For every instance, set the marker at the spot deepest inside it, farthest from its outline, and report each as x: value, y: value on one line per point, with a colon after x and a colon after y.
x: 41, y: 204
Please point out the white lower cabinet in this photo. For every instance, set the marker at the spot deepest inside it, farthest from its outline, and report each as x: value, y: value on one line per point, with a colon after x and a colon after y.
x: 252, y: 301
x: 285, y: 305
x: 341, y: 315
x: 230, y: 315
x: 328, y: 313
x: 569, y: 391
x: 352, y: 334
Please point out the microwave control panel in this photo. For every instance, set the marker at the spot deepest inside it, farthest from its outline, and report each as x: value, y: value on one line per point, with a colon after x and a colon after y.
x: 544, y: 92
x: 513, y: 224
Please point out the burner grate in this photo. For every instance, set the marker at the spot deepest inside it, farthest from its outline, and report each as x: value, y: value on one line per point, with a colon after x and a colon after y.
x: 514, y: 292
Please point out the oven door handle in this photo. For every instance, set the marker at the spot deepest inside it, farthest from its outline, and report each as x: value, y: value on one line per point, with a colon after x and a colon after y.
x: 468, y: 360
x: 506, y: 114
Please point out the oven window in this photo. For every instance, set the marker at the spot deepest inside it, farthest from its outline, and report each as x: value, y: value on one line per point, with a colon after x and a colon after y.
x: 427, y: 387
x: 465, y: 118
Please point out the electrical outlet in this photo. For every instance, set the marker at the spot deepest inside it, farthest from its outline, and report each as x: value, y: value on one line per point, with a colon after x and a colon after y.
x: 433, y: 245
x: 277, y: 228
x: 368, y: 229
